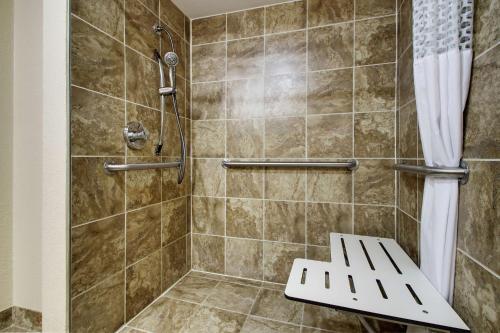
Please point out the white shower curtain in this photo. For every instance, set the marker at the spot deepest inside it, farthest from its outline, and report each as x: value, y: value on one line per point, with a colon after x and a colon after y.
x: 442, y: 52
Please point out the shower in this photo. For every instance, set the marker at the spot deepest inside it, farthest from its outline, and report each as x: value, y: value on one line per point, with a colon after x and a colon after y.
x: 171, y: 60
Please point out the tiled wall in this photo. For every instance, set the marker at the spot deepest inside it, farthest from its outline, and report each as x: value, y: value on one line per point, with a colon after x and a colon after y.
x: 477, y: 268
x: 129, y: 231
x: 306, y: 79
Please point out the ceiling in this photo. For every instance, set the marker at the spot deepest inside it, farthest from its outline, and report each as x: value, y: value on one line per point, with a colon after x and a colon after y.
x: 201, y: 8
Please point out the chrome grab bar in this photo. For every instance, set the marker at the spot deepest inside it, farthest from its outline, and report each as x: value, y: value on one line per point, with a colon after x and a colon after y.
x: 461, y: 173
x: 349, y: 164
x: 111, y: 167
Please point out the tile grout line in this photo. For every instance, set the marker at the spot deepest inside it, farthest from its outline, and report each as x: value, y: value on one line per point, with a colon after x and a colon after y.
x: 306, y: 206
x: 264, y: 143
x: 397, y: 124
x: 225, y: 147
x: 353, y: 151
x: 126, y: 173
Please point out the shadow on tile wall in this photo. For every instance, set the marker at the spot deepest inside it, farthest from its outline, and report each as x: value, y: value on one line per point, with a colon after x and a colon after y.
x: 476, y: 281
x: 129, y: 234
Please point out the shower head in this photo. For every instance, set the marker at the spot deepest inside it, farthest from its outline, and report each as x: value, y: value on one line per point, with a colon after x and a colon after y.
x: 171, y: 59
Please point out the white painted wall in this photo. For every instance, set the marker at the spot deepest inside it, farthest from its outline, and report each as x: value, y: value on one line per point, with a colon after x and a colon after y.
x: 6, y: 69
x: 27, y: 154
x: 55, y: 211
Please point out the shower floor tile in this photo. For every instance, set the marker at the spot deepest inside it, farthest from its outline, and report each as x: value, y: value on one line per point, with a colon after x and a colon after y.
x: 212, y: 303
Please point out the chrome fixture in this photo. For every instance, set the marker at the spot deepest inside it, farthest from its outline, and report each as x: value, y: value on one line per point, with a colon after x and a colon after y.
x: 171, y: 60
x: 349, y: 164
x: 111, y: 167
x: 461, y: 173
x: 135, y: 135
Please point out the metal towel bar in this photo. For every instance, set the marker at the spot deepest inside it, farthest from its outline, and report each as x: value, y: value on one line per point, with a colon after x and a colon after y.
x: 349, y: 164
x: 461, y: 173
x: 111, y: 167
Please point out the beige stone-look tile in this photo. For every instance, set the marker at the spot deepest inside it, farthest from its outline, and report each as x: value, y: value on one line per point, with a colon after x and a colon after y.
x: 208, y: 253
x: 376, y: 221
x: 188, y: 251
x: 138, y: 23
x: 375, y: 41
x: 330, y: 92
x: 375, y: 88
x: 143, y: 284
x: 324, y: 218
x: 257, y: 324
x: 329, y: 136
x: 373, y: 8
x: 129, y: 330
x: 244, y: 258
x: 245, y: 138
x: 232, y: 297
x: 208, y: 101
x: 152, y: 5
x: 322, y: 12
x: 208, y: 138
x: 320, y: 253
x: 150, y: 120
x: 97, y: 252
x: 482, y: 131
x: 285, y: 53
x: 245, y: 58
x: 407, y: 235
x: 330, y: 319
x: 408, y: 135
x: 96, y: 60
x: 174, y: 262
x: 408, y: 192
x: 172, y: 15
x: 164, y: 315
x: 101, y: 309
x: 476, y: 295
x: 209, y: 29
x: 405, y: 28
x: 6, y: 320
x: 142, y: 80
x: 272, y: 304
x: 98, y: 116
x: 284, y: 221
x: 374, y: 182
x: 208, y: 62
x: 285, y: 137
x: 208, y: 177
x: 214, y: 320
x: 245, y: 24
x: 208, y: 216
x: 374, y: 134
x: 486, y: 30
x: 143, y: 186
x: 285, y: 184
x: 331, y: 47
x: 329, y: 186
x: 285, y: 95
x: 244, y: 218
x: 245, y: 183
x: 143, y: 232
x: 286, y: 17
x: 478, y: 228
x: 245, y: 98
x: 173, y: 219
x: 170, y: 188
x: 193, y: 289
x: 30, y: 320
x: 406, y: 91
x: 94, y: 193
x: 105, y: 15
x: 278, y: 260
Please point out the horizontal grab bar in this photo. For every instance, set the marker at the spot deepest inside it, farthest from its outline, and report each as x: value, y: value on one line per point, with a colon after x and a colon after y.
x: 111, y: 167
x: 461, y: 173
x: 349, y: 164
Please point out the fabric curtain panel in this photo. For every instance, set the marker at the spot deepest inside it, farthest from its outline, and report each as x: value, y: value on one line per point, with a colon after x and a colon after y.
x: 442, y: 59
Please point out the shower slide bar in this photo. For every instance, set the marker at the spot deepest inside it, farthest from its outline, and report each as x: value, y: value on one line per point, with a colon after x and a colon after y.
x: 372, y: 277
x: 111, y: 167
x: 349, y: 164
x: 461, y: 173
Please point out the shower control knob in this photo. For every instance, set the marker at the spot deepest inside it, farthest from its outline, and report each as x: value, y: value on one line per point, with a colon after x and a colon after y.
x: 135, y: 135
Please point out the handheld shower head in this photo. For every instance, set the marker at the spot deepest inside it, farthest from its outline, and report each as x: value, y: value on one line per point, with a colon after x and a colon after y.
x: 171, y: 59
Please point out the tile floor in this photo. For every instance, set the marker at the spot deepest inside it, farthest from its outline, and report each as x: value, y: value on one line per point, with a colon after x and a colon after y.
x: 14, y: 328
x: 211, y: 303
